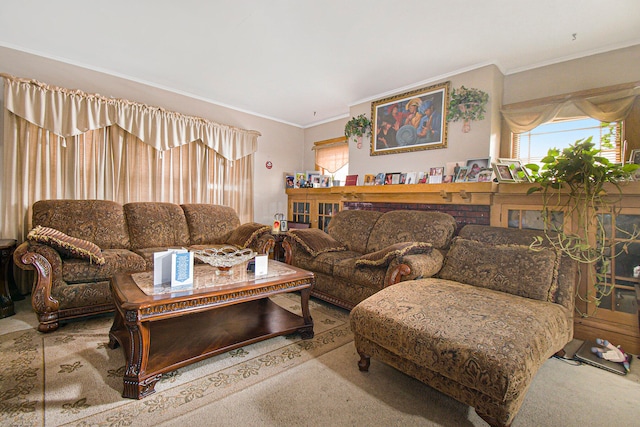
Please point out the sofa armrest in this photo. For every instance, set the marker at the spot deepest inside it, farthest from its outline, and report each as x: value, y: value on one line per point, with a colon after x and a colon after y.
x: 415, y: 266
x: 47, y: 263
x: 264, y: 244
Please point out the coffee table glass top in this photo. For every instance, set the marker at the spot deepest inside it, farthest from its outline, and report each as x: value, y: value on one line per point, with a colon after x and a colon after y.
x: 205, y: 278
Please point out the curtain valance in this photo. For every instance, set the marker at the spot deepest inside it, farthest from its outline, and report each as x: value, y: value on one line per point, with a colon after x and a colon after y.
x: 72, y: 112
x: 608, y: 106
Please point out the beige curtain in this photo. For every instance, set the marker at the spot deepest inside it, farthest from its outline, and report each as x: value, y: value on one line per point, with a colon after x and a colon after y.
x: 609, y: 106
x: 67, y: 144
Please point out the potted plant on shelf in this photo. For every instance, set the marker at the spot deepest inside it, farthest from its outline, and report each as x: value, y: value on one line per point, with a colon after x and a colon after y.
x: 467, y: 105
x: 358, y: 127
x: 587, y: 188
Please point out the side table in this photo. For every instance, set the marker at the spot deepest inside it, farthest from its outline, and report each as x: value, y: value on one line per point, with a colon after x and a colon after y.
x: 7, y: 246
x: 278, y: 252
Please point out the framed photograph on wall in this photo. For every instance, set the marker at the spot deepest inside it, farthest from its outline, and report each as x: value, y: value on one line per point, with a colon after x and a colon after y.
x: 410, y: 121
x: 520, y: 173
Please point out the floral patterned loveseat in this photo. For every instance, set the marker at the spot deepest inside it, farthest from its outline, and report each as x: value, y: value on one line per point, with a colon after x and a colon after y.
x: 76, y: 246
x: 363, y: 252
x: 480, y: 330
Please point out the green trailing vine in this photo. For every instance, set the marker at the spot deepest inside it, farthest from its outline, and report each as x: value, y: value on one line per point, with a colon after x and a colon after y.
x: 467, y: 104
x: 357, y: 127
x: 585, y: 186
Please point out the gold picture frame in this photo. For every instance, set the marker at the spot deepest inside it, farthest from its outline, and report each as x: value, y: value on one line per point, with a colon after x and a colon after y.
x: 411, y: 121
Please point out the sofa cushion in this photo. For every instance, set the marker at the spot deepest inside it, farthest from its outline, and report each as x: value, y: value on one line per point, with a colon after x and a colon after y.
x: 99, y: 221
x: 209, y: 223
x: 399, y: 226
x: 367, y: 276
x: 246, y: 234
x: 384, y: 256
x: 316, y: 241
x: 155, y: 224
x: 516, y: 269
x: 67, y: 246
x: 565, y: 292
x: 116, y: 261
x: 323, y: 263
x: 353, y: 227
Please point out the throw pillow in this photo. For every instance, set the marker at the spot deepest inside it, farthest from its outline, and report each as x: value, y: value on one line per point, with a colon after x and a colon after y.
x: 384, y: 256
x: 244, y: 235
x: 515, y: 269
x: 316, y: 241
x: 71, y: 247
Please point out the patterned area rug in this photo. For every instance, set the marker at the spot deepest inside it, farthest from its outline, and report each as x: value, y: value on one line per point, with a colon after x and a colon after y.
x: 71, y: 377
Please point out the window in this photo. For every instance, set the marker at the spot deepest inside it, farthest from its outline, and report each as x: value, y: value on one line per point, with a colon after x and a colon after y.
x: 532, y: 146
x: 332, y: 157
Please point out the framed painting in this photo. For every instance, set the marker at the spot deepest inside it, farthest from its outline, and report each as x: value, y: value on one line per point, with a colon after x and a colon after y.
x: 411, y: 121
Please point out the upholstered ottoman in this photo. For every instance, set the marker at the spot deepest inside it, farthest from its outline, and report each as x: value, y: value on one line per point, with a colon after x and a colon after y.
x: 479, y: 346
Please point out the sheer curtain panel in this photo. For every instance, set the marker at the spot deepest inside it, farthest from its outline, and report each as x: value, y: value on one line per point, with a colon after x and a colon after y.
x: 61, y: 143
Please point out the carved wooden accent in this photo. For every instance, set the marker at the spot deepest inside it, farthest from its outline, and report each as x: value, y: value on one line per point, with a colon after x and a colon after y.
x: 398, y: 272
x: 286, y: 246
x: 45, y: 306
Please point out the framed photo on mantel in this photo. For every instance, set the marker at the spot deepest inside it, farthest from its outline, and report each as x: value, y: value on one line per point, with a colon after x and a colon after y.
x: 410, y: 121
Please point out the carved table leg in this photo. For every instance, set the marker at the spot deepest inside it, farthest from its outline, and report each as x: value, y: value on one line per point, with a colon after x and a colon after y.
x: 307, y: 331
x: 135, y: 385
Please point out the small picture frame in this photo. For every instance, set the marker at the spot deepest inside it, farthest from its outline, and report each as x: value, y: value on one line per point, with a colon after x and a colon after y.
x: 289, y: 180
x: 474, y: 166
x: 435, y: 175
x: 369, y: 179
x: 485, y: 175
x: 325, y: 181
x: 519, y: 172
x: 300, y: 180
x: 503, y: 172
x: 462, y: 174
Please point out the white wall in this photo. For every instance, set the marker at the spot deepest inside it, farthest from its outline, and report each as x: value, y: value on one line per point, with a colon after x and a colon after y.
x: 482, y: 141
x: 280, y: 143
x: 599, y: 70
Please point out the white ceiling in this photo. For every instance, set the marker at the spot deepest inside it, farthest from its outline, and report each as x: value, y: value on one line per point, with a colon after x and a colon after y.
x: 303, y: 62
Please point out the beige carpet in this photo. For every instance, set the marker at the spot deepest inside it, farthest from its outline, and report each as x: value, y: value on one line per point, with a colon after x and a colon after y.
x: 70, y: 377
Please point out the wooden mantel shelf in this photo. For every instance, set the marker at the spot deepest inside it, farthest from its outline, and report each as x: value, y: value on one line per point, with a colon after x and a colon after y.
x: 455, y: 193
x: 463, y: 192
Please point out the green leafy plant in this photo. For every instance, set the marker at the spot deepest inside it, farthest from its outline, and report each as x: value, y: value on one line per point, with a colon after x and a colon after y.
x: 467, y: 104
x: 585, y: 186
x: 357, y: 127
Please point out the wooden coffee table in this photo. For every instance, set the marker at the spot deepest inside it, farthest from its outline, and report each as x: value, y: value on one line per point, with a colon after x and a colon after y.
x: 161, y: 330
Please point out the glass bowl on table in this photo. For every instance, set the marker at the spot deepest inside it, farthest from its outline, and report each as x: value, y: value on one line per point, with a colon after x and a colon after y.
x: 224, y: 258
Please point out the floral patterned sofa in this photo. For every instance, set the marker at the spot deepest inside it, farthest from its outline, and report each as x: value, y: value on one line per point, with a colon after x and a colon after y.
x: 482, y: 327
x: 76, y: 246
x: 363, y: 252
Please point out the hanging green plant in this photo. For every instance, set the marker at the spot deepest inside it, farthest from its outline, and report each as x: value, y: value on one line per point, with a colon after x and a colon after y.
x: 467, y: 105
x: 357, y: 127
x: 575, y: 181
